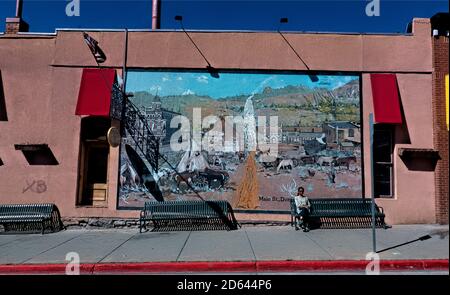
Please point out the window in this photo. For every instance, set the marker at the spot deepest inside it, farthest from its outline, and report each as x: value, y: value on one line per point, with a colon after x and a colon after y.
x: 37, y: 154
x: 351, y: 133
x: 383, y: 160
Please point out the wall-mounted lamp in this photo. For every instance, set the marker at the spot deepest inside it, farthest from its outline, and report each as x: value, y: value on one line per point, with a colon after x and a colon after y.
x: 211, y: 70
x: 284, y: 20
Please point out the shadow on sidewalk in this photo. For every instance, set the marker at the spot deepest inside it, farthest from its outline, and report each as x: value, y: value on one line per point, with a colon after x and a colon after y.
x: 441, y: 233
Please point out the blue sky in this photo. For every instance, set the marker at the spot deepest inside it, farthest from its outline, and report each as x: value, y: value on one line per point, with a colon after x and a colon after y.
x: 304, y: 15
x: 229, y: 84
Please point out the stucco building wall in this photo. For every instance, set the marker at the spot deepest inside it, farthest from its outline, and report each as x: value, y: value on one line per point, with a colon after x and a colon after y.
x: 41, y: 78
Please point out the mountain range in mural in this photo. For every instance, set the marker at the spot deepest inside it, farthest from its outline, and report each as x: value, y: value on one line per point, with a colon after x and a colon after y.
x: 285, y: 102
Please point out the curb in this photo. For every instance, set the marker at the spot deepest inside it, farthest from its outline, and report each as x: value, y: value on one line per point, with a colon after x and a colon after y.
x: 232, y: 266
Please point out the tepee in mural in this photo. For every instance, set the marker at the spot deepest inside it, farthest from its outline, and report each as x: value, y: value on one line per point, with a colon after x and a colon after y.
x: 192, y: 160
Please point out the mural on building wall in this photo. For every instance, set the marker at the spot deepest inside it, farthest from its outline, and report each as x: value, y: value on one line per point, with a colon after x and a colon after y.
x: 250, y: 138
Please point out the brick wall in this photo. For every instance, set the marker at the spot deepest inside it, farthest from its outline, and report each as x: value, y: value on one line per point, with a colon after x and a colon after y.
x: 440, y: 133
x: 12, y: 28
x: 15, y: 25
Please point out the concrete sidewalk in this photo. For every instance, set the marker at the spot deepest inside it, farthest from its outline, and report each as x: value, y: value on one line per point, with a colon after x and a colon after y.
x: 274, y: 247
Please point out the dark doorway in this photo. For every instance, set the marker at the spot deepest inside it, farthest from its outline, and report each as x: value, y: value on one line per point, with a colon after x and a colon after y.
x: 93, y: 168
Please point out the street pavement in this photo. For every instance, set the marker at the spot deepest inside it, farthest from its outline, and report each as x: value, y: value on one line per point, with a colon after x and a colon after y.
x: 248, y: 244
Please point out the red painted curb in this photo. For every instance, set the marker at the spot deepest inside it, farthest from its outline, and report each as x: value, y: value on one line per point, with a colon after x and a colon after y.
x: 85, y: 268
x: 311, y: 265
x: 231, y: 266
x: 340, y: 265
x: 162, y: 267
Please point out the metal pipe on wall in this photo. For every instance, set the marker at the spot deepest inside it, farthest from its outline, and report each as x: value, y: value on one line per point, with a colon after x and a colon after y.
x: 18, y: 8
x: 155, y: 14
x: 125, y: 55
x: 124, y: 82
x: 372, y: 185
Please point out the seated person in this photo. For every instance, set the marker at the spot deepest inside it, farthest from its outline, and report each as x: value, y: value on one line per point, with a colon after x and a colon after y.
x: 303, y: 206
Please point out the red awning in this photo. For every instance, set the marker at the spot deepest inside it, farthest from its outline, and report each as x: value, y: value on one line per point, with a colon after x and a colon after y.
x: 386, y: 102
x: 94, y: 98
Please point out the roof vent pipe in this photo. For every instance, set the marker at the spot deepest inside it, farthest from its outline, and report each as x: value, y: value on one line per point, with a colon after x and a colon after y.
x: 156, y: 11
x: 16, y: 24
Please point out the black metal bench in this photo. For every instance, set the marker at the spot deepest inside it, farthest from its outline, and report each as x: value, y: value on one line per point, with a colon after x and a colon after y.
x: 188, y: 215
x: 341, y: 213
x: 30, y: 218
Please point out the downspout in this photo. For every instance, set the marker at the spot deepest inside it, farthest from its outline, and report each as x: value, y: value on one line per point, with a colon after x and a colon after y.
x: 124, y: 66
x: 124, y: 81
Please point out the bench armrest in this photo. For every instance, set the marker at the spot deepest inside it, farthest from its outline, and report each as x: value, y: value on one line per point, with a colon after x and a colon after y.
x: 293, y: 209
x: 142, y: 214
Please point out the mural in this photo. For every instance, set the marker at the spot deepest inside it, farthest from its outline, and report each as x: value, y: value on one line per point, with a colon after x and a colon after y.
x: 250, y: 138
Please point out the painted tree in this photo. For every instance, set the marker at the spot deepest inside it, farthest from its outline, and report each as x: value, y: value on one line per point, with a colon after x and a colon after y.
x: 247, y: 193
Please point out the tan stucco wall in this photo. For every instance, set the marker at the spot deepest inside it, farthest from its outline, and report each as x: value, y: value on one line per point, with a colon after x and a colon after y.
x: 413, y: 200
x: 40, y: 102
x: 268, y: 51
x: 41, y: 78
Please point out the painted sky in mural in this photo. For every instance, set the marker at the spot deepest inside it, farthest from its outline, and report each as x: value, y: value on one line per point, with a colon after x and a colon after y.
x: 184, y: 83
x: 317, y: 135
